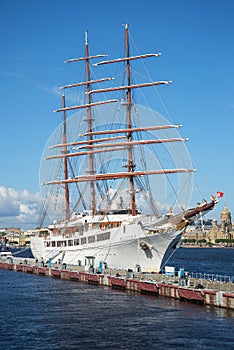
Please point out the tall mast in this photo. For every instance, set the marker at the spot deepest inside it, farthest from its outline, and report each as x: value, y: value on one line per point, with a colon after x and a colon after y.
x: 65, y: 159
x: 129, y: 125
x: 94, y: 144
x: 89, y: 120
x: 90, y: 125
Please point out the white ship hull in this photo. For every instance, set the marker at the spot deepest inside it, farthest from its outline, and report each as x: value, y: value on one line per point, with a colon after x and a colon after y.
x: 128, y: 247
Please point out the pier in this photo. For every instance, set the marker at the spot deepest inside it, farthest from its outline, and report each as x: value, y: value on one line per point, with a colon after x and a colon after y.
x: 217, y: 291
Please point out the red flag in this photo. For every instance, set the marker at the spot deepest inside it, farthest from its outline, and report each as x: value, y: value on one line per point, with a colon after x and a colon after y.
x: 219, y: 194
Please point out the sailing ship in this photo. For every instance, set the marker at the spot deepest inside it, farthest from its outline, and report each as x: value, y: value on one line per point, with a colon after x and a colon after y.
x: 111, y: 198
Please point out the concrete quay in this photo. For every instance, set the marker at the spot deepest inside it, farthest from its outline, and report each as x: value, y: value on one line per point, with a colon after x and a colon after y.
x: 200, y: 290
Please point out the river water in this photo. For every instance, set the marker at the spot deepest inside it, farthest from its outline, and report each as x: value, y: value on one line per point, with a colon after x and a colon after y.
x: 216, y: 261
x: 44, y: 313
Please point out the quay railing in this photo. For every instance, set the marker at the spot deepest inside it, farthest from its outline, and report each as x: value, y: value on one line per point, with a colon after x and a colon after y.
x: 182, y: 278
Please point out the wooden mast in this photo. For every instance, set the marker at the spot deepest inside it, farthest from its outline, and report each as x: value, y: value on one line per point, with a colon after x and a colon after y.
x: 90, y: 125
x: 89, y: 120
x: 131, y: 165
x: 65, y: 159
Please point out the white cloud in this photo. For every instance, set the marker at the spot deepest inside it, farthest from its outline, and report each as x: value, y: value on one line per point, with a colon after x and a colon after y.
x: 71, y: 96
x: 54, y: 90
x: 18, y: 208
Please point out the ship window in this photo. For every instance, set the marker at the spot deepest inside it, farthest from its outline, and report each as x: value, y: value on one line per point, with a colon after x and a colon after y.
x: 91, y: 239
x: 76, y: 241
x: 70, y: 242
x: 61, y: 244
x: 53, y: 243
x: 103, y: 236
x: 83, y: 240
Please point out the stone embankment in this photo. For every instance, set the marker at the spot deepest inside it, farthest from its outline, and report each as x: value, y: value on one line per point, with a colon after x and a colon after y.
x: 205, y: 291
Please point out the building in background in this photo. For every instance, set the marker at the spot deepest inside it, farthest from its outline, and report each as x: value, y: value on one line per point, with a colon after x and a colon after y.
x: 210, y: 232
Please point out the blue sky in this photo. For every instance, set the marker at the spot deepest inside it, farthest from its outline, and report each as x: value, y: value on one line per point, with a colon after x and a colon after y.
x: 195, y: 38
